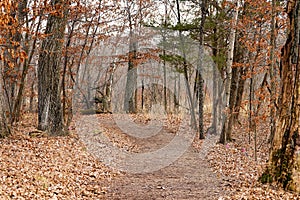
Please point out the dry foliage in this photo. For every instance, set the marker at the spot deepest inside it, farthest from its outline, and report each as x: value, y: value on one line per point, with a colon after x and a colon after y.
x: 35, y: 166
x: 39, y: 167
x: 235, y: 162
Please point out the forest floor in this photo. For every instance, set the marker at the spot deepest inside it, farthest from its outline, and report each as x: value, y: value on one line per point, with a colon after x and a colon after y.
x: 188, y: 177
x: 35, y: 166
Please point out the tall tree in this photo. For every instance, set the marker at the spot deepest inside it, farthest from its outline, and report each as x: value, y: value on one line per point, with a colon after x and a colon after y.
x: 133, y: 11
x: 199, y: 75
x: 216, y: 35
x: 11, y: 55
x: 49, y: 100
x: 130, y: 93
x: 226, y: 129
x: 185, y: 68
x: 28, y: 41
x: 284, y: 165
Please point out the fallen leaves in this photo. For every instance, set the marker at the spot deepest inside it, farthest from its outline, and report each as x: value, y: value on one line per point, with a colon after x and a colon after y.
x: 235, y: 162
x: 50, y: 168
x: 34, y: 166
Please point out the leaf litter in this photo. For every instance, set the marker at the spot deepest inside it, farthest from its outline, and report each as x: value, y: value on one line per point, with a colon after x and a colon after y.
x: 42, y: 167
x: 35, y: 166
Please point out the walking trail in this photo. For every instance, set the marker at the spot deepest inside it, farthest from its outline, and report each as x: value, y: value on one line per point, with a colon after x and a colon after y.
x: 189, y: 177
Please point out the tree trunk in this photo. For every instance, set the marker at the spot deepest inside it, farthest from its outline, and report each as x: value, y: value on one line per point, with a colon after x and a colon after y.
x: 32, y: 93
x: 130, y: 91
x: 49, y: 105
x: 164, y: 54
x: 240, y: 92
x: 272, y: 75
x: 185, y: 71
x: 131, y: 82
x: 284, y: 166
x: 176, y: 93
x: 224, y: 135
x: 67, y: 98
x: 4, y: 128
x: 215, y: 97
x: 200, y: 66
x: 17, y: 107
x: 216, y: 82
x: 232, y: 99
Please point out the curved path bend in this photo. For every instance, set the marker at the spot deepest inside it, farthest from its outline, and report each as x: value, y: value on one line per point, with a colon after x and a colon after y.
x: 189, y: 177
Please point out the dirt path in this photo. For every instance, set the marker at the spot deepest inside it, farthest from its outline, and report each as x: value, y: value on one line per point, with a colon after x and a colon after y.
x: 189, y: 177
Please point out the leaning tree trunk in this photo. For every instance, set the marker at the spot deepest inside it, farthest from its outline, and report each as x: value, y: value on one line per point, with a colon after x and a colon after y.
x: 284, y: 165
x: 49, y: 102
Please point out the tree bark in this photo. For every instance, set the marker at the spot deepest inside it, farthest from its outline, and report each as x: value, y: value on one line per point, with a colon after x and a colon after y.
x: 130, y: 91
x: 240, y: 92
x: 21, y: 17
x: 284, y: 166
x: 232, y: 99
x: 272, y: 75
x: 131, y: 82
x: 49, y: 106
x: 4, y: 128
